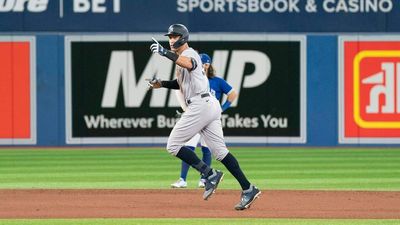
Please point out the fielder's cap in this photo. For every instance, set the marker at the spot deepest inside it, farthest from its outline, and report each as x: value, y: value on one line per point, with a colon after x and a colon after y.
x: 205, y: 58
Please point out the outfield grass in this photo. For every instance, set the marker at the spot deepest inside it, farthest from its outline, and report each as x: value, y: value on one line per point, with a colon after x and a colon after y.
x: 198, y: 221
x: 269, y: 168
x: 144, y: 168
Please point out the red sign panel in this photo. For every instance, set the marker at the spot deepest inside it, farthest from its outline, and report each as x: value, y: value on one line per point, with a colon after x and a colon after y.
x: 15, y: 90
x: 371, y: 89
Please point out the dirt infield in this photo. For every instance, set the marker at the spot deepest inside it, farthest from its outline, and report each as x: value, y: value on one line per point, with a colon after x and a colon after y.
x: 189, y: 203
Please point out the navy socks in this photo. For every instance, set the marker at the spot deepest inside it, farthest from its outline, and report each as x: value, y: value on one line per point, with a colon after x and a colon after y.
x: 206, y: 157
x: 232, y: 165
x: 230, y: 162
x: 189, y: 157
x: 185, y: 166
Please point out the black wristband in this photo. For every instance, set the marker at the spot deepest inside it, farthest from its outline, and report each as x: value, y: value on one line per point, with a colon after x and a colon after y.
x: 170, y: 84
x: 171, y: 55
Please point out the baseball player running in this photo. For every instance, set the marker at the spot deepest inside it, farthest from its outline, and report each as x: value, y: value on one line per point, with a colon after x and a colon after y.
x: 218, y: 87
x: 203, y: 115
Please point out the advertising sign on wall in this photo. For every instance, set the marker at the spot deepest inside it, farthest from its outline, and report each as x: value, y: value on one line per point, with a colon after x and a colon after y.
x: 108, y: 101
x: 17, y: 90
x: 201, y: 15
x: 370, y: 89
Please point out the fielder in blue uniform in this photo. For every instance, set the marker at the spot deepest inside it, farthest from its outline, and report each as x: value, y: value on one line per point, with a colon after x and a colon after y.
x: 218, y: 87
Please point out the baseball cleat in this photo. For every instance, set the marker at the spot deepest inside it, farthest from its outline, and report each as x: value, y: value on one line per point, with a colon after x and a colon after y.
x: 202, y: 183
x: 212, y: 183
x: 179, y: 184
x: 248, y: 197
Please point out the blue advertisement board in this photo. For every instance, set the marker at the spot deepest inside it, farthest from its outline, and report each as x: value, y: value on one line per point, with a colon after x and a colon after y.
x: 212, y: 23
x: 200, y: 15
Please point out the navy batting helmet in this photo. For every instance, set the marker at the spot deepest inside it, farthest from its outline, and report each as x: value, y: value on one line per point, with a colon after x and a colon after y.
x: 180, y: 30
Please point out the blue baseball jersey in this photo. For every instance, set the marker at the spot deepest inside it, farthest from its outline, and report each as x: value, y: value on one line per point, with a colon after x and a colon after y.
x: 219, y: 86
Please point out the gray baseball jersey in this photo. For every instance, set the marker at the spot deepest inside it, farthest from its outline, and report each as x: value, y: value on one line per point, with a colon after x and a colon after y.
x: 203, y: 112
x: 192, y: 82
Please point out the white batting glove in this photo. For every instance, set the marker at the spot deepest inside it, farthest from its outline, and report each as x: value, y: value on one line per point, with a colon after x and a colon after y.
x: 157, y: 48
x: 153, y: 83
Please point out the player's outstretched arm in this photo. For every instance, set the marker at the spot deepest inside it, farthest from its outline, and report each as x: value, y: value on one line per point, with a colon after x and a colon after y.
x: 182, y: 61
x: 158, y: 83
x: 186, y: 62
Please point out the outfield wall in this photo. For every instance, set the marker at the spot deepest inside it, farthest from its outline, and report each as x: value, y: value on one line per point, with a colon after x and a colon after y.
x: 305, y: 78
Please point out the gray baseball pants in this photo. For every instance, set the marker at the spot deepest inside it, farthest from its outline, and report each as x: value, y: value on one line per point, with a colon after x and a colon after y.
x: 203, y: 116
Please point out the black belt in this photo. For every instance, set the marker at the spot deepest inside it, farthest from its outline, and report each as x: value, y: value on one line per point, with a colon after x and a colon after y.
x: 202, y: 96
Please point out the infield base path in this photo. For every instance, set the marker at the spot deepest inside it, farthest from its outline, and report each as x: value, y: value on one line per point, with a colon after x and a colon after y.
x: 95, y: 203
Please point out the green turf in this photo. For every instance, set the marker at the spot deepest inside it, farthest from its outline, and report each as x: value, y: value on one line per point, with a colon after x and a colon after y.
x: 269, y: 168
x: 198, y: 221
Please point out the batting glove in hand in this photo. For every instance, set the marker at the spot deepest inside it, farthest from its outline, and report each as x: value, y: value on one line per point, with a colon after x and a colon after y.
x: 157, y: 48
x: 154, y: 83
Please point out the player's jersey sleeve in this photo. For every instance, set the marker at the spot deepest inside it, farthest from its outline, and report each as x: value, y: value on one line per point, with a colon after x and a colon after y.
x: 225, y: 87
x: 190, y: 53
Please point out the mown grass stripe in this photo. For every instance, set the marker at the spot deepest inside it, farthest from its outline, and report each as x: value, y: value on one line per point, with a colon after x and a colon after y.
x: 269, y: 168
